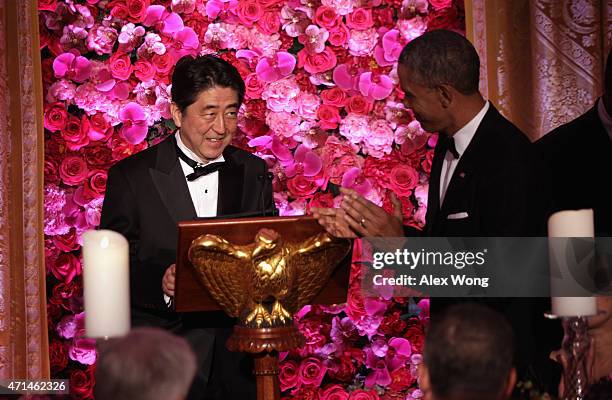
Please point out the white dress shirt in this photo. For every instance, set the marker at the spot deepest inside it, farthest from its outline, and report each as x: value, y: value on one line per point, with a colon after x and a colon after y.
x: 605, y: 118
x: 462, y: 139
x: 203, y: 190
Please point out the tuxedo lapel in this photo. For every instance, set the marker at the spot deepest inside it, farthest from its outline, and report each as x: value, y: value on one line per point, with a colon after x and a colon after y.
x: 231, y: 178
x: 433, y: 194
x: 170, y: 182
x: 469, y: 161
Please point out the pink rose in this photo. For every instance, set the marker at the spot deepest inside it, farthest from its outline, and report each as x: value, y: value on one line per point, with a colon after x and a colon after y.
x: 96, y: 184
x: 137, y: 9
x: 144, y: 70
x: 288, y: 375
x: 269, y: 23
x: 329, y: 117
x: 327, y: 17
x: 121, y: 66
x: 66, y: 267
x: 73, y: 170
x: 318, y: 62
x: 339, y: 35
x: 361, y: 394
x: 55, y: 116
x: 360, y: 19
x: 75, y: 133
x: 312, y: 371
x: 300, y: 186
x: 99, y: 128
x: 359, y: 105
x: 249, y: 11
x: 334, y: 97
x: 83, y: 351
x: 438, y: 4
x: 334, y: 392
x: 67, y: 242
x: 163, y: 64
x: 254, y: 86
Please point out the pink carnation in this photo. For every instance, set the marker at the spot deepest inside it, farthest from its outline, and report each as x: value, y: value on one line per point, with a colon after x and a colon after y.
x: 283, y: 123
x: 281, y: 95
x: 307, y: 105
x: 101, y: 39
x: 342, y: 7
x: 362, y: 43
x: 355, y: 127
x: 380, y: 139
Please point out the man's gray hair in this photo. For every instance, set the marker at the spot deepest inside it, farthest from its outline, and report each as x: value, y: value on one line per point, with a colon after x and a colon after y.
x: 147, y: 363
x: 442, y: 57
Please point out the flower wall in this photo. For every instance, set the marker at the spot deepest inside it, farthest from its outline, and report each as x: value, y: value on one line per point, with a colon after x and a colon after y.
x: 322, y: 106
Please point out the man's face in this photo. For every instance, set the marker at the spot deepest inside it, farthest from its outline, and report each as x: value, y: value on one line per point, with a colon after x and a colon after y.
x: 425, y: 103
x: 208, y: 125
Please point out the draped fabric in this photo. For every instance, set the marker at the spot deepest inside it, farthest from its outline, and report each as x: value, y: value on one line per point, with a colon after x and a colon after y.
x: 542, y: 60
x: 23, y: 321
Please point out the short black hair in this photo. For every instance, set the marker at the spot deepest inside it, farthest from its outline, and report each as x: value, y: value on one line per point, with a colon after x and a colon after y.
x: 442, y: 57
x: 469, y: 352
x: 193, y: 75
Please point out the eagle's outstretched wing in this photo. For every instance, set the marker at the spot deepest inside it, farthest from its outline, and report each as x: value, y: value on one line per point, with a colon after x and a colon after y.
x: 223, y: 269
x: 314, y: 261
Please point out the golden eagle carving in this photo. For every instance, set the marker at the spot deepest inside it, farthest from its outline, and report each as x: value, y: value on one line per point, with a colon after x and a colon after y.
x: 264, y: 283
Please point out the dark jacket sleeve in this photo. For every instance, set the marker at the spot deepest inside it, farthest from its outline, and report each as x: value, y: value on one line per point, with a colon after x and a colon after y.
x: 120, y: 214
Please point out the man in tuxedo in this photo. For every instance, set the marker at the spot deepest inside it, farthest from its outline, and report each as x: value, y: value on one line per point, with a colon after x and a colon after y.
x: 577, y: 157
x: 195, y: 172
x: 483, y: 174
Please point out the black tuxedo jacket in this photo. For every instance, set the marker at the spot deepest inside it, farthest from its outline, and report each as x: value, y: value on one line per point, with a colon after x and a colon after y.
x: 493, y: 188
x: 146, y: 197
x: 578, y: 157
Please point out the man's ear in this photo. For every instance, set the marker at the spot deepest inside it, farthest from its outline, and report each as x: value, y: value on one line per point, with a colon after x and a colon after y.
x: 446, y: 95
x: 177, y: 114
x: 510, y: 383
x: 424, y: 382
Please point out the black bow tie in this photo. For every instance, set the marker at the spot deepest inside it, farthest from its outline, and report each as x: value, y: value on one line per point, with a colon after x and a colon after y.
x: 449, y: 144
x: 199, y: 169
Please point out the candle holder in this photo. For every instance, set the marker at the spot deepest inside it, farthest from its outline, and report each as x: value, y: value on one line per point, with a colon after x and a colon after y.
x: 575, y: 349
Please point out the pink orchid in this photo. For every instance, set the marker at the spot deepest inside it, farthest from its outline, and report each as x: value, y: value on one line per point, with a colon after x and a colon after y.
x: 380, y: 372
x: 223, y: 7
x: 375, y: 86
x: 306, y: 162
x: 389, y: 52
x: 164, y: 21
x: 250, y: 56
x: 294, y: 21
x: 271, y: 69
x: 274, y: 144
x: 353, y: 179
x: 185, y: 42
x: 346, y: 77
x: 314, y: 39
x: 72, y: 66
x: 134, y: 128
x: 399, y: 353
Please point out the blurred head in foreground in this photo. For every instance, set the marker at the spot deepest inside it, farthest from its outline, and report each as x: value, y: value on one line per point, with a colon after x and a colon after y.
x: 468, y: 356
x: 147, y: 363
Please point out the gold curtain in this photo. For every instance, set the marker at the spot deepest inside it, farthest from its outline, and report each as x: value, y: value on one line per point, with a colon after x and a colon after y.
x: 542, y: 60
x: 24, y: 344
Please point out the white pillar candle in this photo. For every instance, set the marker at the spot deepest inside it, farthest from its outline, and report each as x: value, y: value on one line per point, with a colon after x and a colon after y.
x: 106, y: 284
x: 565, y: 224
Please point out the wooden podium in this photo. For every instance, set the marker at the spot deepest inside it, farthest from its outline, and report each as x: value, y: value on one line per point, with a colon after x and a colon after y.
x: 264, y: 343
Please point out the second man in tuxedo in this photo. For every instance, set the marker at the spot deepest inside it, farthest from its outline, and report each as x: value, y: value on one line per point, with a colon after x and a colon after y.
x: 195, y: 172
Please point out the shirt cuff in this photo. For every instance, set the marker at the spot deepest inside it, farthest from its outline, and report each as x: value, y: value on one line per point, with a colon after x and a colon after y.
x: 168, y: 300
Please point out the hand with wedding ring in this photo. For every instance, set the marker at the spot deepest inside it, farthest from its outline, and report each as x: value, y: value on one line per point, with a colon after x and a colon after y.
x: 359, y: 216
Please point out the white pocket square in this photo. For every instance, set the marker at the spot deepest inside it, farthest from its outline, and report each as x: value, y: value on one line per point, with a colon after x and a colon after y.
x: 460, y: 215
